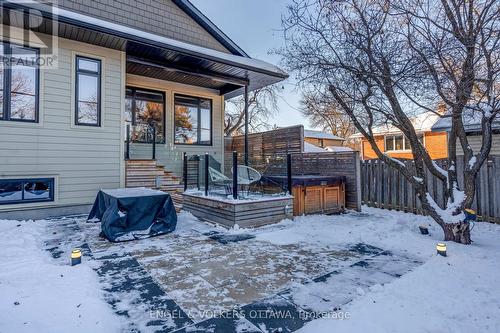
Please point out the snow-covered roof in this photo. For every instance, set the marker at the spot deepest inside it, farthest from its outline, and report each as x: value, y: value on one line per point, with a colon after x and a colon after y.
x: 422, y: 123
x: 310, y: 148
x: 321, y: 135
x: 471, y: 120
x: 337, y: 149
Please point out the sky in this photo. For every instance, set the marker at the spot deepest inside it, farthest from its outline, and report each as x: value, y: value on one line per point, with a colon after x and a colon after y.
x: 255, y: 26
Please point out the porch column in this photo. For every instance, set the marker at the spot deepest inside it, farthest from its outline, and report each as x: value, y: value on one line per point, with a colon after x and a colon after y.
x: 246, y: 124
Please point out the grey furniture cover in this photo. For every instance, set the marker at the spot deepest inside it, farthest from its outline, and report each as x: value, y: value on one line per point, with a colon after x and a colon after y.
x: 133, y: 213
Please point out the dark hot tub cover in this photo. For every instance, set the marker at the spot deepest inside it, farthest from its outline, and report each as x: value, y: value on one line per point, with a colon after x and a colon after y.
x: 133, y: 213
x: 304, y: 180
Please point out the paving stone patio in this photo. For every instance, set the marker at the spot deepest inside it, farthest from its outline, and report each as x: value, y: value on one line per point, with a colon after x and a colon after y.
x: 189, y: 282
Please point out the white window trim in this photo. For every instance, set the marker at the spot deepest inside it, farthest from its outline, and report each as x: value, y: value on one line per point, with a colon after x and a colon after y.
x: 404, y: 142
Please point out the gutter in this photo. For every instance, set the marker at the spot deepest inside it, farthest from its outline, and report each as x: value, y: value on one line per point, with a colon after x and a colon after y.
x: 146, y: 38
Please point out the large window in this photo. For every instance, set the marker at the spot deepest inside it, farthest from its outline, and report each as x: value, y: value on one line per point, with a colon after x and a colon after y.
x: 18, y: 83
x: 193, y: 120
x: 399, y: 142
x: 26, y: 190
x: 88, y: 92
x: 143, y: 110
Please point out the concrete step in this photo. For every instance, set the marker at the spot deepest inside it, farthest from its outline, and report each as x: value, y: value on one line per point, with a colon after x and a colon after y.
x: 140, y: 163
x: 152, y: 173
x: 144, y: 173
x: 165, y: 178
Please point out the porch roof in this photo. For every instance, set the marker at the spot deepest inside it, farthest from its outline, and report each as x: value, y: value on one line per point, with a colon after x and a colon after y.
x: 161, y: 57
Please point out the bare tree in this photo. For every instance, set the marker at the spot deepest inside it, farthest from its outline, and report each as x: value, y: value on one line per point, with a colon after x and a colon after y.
x: 384, y: 60
x: 324, y: 112
x: 262, y: 104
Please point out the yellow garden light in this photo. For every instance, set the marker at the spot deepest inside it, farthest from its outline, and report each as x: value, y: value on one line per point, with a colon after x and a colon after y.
x: 441, y: 249
x: 76, y: 257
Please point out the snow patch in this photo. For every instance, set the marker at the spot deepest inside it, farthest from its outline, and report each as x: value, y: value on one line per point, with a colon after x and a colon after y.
x: 39, y: 295
x: 472, y: 162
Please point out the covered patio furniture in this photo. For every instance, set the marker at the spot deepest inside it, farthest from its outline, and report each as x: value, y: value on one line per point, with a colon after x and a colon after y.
x: 133, y: 213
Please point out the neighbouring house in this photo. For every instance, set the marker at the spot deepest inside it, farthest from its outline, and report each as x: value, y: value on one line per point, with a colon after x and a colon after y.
x: 390, y: 140
x: 137, y: 83
x: 472, y: 125
x: 322, y: 139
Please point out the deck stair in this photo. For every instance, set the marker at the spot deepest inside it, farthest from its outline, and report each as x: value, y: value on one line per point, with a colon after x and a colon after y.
x: 150, y: 174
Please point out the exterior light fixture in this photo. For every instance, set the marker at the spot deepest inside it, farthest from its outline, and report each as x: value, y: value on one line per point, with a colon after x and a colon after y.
x: 470, y: 215
x: 423, y: 230
x: 76, y: 257
x: 441, y: 249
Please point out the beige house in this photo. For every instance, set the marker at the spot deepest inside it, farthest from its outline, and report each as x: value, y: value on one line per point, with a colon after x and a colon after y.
x: 143, y: 72
x: 472, y: 125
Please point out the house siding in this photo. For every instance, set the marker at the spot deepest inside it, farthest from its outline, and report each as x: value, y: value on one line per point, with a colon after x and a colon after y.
x: 162, y: 17
x: 81, y: 159
x: 435, y: 143
x: 475, y: 141
x: 169, y: 154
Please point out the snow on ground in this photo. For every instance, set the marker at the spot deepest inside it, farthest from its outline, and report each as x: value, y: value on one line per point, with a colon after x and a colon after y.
x: 38, y: 295
x: 458, y: 293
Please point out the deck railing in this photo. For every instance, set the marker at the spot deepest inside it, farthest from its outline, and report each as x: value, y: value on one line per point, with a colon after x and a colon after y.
x: 205, y: 174
x: 128, y: 140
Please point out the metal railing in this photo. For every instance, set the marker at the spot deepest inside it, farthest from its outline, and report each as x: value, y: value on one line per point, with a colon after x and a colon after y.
x: 128, y: 140
x: 203, y: 173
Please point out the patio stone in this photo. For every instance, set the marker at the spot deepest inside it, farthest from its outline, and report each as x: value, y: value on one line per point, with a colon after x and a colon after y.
x: 273, y: 283
x: 394, y: 265
x: 198, y: 298
x: 222, y: 325
x: 365, y: 249
x: 217, y: 273
x: 167, y: 277
x: 275, y: 314
x: 324, y: 294
x: 132, y: 293
x: 231, y: 238
x: 244, y: 291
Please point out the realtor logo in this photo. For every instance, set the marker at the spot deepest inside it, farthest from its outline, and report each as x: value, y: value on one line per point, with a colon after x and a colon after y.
x: 30, y: 29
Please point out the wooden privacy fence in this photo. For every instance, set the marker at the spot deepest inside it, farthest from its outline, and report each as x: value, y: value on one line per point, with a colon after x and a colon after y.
x: 263, y: 147
x: 385, y: 187
x: 268, y: 151
x: 343, y: 164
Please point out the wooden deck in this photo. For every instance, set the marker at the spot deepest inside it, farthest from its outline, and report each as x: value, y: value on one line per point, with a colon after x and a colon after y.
x: 244, y: 213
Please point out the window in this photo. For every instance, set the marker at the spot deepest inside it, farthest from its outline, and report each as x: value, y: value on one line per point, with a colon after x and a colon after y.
x: 389, y: 143
x: 88, y: 92
x: 400, y: 142
x: 143, y: 110
x: 19, y: 75
x: 26, y: 190
x: 193, y: 120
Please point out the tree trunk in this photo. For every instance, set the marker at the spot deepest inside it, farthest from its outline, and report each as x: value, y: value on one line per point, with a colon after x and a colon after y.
x: 457, y: 232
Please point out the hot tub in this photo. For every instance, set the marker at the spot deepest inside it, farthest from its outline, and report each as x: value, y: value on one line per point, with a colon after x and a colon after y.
x: 313, y: 194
